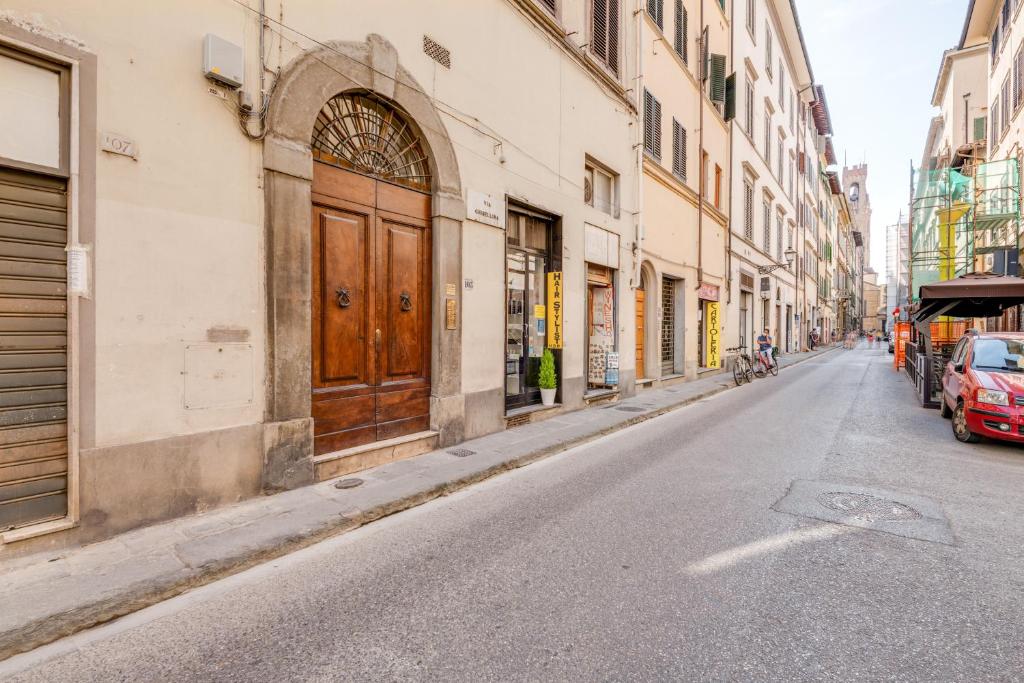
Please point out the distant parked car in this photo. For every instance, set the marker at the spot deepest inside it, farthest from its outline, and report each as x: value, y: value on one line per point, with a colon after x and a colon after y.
x: 983, y: 387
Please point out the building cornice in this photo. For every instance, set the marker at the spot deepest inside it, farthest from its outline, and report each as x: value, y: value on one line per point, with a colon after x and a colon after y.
x: 657, y: 172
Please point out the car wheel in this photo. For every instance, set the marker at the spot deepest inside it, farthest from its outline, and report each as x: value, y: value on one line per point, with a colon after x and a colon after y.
x: 960, y: 430
x: 944, y: 411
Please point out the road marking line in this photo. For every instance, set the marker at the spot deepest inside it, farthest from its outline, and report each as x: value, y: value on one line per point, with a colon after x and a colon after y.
x: 728, y: 558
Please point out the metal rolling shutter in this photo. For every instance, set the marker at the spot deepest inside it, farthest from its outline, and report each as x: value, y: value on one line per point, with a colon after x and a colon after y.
x: 33, y: 348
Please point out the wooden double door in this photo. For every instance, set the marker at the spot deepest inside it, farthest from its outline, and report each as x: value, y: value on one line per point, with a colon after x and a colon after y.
x: 371, y: 290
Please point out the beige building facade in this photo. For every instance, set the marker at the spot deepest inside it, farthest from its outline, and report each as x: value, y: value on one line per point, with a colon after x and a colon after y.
x: 680, y: 294
x: 995, y: 27
x: 778, y: 132
x: 333, y: 249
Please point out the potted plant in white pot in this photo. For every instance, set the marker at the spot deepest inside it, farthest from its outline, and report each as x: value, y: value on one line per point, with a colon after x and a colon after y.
x: 547, y: 381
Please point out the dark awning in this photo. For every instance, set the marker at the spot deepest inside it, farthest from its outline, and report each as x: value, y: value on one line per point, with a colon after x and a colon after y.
x: 819, y: 112
x: 976, y: 295
x: 830, y: 153
x: 833, y: 182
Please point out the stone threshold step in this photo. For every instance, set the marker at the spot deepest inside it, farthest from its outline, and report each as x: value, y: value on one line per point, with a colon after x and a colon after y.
x: 358, y: 458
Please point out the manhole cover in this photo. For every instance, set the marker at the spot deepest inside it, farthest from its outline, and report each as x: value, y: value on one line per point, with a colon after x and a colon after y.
x: 348, y: 483
x: 867, y: 508
x: 461, y: 452
x: 631, y: 409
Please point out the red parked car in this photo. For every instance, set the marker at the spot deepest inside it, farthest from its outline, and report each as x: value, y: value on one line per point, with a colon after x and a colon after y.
x: 983, y: 387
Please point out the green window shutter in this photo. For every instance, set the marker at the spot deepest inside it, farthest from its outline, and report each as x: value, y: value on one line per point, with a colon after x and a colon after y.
x: 979, y: 128
x: 717, y: 78
x: 730, y: 97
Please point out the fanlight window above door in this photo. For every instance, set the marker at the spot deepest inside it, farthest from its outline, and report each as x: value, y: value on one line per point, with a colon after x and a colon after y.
x: 367, y: 135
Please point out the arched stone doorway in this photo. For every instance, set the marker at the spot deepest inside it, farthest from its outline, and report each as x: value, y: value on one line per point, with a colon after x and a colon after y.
x: 302, y: 92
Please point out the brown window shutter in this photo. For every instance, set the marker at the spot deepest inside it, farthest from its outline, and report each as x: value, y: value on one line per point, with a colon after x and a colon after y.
x: 656, y: 9
x: 657, y: 129
x: 599, y: 44
x: 648, y: 121
x: 613, y: 35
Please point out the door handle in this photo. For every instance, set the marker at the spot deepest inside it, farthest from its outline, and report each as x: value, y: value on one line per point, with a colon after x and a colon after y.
x: 376, y: 340
x: 344, y: 300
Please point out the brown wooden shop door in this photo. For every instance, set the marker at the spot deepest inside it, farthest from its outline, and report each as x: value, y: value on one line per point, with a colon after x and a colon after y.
x: 371, y: 310
x: 640, y: 311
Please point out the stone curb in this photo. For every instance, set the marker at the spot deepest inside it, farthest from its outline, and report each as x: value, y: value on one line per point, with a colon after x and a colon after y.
x: 150, y: 591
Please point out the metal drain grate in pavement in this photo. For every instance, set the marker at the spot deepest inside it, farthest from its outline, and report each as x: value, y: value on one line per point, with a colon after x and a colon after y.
x: 348, y: 483
x: 875, y: 509
x: 630, y: 409
x: 867, y: 508
x: 461, y: 452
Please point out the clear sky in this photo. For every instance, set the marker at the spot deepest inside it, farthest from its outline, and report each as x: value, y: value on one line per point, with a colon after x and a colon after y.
x: 878, y: 60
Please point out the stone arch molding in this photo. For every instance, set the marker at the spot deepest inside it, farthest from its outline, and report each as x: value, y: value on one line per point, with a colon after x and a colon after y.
x: 302, y: 89
x: 315, y: 76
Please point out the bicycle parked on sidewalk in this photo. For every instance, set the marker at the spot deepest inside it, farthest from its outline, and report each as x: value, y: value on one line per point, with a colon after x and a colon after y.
x: 746, y: 368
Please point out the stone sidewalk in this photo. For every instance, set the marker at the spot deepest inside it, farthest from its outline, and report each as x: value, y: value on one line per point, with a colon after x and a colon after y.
x: 51, y: 595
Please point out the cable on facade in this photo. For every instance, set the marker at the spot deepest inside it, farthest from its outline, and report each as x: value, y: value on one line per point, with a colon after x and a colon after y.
x: 497, y: 136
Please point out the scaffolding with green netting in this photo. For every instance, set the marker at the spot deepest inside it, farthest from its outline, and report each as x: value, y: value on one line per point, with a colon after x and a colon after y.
x: 964, y: 219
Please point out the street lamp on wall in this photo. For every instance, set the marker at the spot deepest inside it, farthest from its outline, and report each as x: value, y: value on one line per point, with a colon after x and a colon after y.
x: 790, y: 255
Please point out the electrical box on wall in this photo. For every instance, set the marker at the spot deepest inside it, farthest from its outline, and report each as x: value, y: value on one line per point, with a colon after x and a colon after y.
x: 223, y: 62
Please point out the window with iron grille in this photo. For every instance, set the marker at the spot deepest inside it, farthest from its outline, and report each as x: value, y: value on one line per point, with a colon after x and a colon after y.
x: 748, y: 118
x: 767, y: 226
x: 748, y: 209
x: 682, y: 31
x: 678, y: 150
x: 652, y: 125
x: 792, y: 113
x: 668, y: 326
x: 550, y: 4
x: 750, y: 17
x: 768, y: 139
x: 656, y: 8
x: 605, y: 29
x: 768, y: 57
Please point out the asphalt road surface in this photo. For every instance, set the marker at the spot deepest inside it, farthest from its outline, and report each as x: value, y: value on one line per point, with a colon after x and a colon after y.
x: 699, y: 546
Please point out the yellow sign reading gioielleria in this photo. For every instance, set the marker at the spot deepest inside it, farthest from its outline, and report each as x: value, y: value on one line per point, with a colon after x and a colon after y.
x: 554, y: 311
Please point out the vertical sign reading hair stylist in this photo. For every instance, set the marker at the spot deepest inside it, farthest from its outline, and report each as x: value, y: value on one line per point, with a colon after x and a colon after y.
x: 555, y: 310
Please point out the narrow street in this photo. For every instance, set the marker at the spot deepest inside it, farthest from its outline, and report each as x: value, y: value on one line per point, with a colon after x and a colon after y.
x: 652, y: 554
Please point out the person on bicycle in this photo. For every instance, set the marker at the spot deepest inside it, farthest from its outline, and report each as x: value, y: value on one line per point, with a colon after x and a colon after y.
x: 764, y: 348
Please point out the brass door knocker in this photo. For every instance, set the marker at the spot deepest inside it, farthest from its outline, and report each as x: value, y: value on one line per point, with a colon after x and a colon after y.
x: 344, y: 301
x: 406, y: 300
